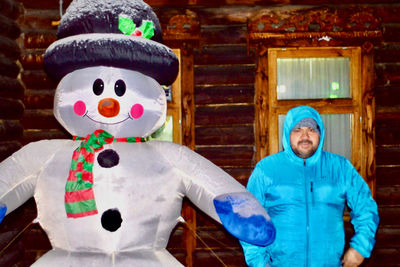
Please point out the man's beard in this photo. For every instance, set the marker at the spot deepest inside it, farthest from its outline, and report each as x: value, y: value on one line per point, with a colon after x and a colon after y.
x: 305, y: 154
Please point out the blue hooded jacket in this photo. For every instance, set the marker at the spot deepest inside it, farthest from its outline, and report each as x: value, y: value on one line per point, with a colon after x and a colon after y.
x: 305, y: 199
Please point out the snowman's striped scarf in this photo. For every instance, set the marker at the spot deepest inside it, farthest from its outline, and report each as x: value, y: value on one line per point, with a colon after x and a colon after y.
x: 79, y: 196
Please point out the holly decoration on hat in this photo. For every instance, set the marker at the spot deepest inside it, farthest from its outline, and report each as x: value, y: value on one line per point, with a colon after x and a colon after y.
x: 128, y: 27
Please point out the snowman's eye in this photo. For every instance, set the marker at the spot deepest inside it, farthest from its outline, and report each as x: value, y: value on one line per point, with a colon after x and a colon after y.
x: 120, y: 88
x: 98, y: 87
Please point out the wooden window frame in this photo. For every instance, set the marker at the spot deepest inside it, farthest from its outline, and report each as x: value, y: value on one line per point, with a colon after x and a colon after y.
x: 174, y: 107
x: 360, y: 105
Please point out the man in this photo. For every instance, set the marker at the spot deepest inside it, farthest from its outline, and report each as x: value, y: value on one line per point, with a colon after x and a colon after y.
x: 304, y: 190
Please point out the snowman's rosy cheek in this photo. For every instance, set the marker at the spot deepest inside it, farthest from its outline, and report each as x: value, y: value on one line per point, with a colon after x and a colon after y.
x: 79, y: 108
x: 137, y: 111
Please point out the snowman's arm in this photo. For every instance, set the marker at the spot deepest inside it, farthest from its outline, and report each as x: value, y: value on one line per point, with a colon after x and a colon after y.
x: 221, y: 196
x: 19, y: 172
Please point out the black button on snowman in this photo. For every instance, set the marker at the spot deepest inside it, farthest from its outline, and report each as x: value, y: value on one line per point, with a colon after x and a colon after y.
x: 110, y: 197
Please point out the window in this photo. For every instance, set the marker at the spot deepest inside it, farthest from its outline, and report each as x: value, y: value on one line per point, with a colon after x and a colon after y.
x: 172, y: 130
x: 325, y: 78
x: 330, y: 79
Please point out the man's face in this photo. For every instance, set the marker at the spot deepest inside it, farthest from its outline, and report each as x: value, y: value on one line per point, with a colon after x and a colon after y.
x: 304, y: 142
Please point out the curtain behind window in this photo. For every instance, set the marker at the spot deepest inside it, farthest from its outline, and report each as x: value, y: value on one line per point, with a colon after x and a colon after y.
x: 313, y: 78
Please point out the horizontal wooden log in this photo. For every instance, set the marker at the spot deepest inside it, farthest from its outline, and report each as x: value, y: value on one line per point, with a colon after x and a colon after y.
x: 6, y: 236
x: 387, y: 129
x: 387, y: 238
x: 15, y: 222
x: 391, y: 33
x: 32, y: 135
x: 9, y: 48
x: 43, y: 19
x: 229, y: 258
x: 176, y: 240
x: 387, y: 135
x: 224, y: 115
x: 12, y: 255
x: 387, y: 76
x: 32, y: 59
x: 34, y: 39
x: 227, y: 157
x: 223, y: 54
x: 388, y: 52
x: 224, y: 94
x: 11, y: 88
x: 225, y: 74
x: 387, y: 257
x: 20, y: 217
x: 389, y: 215
x: 36, y: 239
x: 37, y: 79
x: 387, y: 176
x: 390, y: 66
x: 388, y: 96
x: 242, y: 135
x: 226, y: 34
x: 39, y: 99
x: 388, y: 14
x: 240, y: 174
x: 9, y: 27
x: 388, y: 155
x: 10, y: 8
x: 30, y: 257
x: 49, y: 4
x: 10, y: 129
x: 7, y: 148
x: 9, y: 67
x: 39, y: 119
x: 11, y: 108
x: 216, y: 237
x: 389, y: 195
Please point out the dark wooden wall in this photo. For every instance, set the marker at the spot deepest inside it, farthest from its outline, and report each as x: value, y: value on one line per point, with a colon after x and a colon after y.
x: 224, y: 72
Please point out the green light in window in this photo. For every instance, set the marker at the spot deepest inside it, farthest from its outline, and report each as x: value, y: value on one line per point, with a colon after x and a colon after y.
x: 335, y: 86
x: 333, y: 96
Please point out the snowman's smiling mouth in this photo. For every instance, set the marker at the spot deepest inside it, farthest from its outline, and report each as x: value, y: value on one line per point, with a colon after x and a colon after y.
x: 109, y: 123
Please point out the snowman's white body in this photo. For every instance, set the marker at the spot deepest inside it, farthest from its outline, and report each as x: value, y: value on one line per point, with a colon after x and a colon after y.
x: 146, y: 186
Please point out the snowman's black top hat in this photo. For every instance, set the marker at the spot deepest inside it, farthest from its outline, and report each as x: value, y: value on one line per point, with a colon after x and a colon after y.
x: 117, y: 33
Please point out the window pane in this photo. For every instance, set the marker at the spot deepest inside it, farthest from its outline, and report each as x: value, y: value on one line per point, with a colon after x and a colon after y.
x: 310, y: 78
x: 337, y: 133
x: 167, y: 134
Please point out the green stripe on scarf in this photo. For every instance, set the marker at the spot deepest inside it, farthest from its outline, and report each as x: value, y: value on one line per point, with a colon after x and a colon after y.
x: 81, y: 206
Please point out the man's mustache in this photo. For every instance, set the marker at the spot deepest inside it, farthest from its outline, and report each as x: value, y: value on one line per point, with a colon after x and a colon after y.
x: 305, y: 142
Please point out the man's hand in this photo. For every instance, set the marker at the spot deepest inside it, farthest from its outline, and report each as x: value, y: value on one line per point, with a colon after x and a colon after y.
x: 352, y: 258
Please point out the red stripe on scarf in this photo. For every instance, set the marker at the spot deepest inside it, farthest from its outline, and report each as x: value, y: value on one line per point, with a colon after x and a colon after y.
x: 80, y: 195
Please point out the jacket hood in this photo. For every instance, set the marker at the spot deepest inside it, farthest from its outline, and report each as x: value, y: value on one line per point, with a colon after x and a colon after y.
x: 292, y: 118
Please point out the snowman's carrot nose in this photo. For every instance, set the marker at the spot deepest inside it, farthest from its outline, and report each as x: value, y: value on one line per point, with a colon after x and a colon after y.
x: 108, y: 107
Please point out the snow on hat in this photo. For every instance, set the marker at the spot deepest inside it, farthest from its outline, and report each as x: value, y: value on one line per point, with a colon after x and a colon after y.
x: 307, y: 122
x: 116, y: 33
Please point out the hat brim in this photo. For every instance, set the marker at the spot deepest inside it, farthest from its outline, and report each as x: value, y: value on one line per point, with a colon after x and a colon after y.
x: 115, y: 50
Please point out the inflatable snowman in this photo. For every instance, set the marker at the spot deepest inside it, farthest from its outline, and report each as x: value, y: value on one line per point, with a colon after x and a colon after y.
x: 110, y: 197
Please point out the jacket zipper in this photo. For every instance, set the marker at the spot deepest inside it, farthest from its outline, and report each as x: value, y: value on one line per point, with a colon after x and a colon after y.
x: 307, y: 211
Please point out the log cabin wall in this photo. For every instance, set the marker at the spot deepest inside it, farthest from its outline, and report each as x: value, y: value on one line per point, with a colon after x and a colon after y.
x: 11, y: 114
x: 11, y: 88
x: 224, y: 115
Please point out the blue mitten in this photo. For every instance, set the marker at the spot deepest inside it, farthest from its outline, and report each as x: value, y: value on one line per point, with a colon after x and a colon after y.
x: 3, y: 209
x: 245, y: 218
